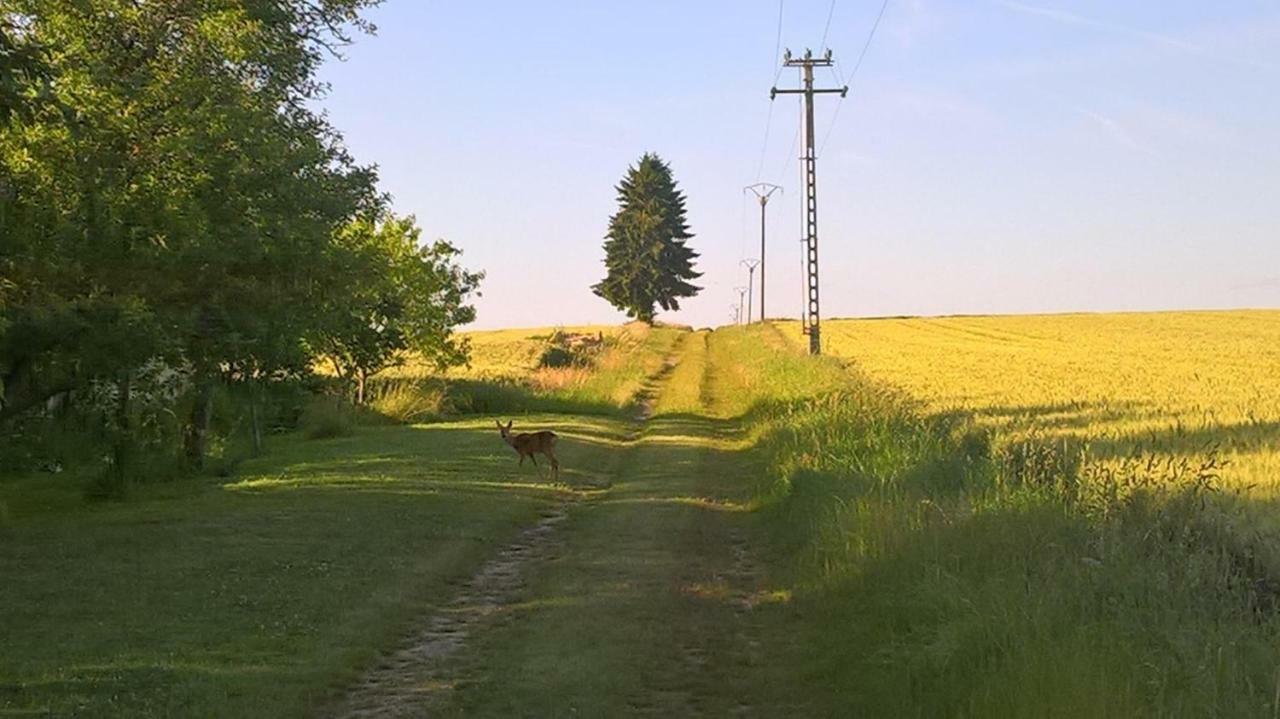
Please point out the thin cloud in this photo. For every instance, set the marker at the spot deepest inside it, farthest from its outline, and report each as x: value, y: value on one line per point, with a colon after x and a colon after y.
x: 1065, y: 17
x: 1116, y: 131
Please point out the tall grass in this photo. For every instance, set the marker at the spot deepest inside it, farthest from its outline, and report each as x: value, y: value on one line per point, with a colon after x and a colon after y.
x: 507, y: 375
x: 946, y: 574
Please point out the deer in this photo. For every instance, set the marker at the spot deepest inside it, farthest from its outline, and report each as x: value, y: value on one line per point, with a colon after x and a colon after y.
x: 527, y: 444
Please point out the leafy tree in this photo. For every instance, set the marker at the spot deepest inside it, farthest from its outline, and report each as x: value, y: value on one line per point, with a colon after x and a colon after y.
x: 646, y: 257
x: 409, y: 298
x: 23, y: 73
x: 172, y: 197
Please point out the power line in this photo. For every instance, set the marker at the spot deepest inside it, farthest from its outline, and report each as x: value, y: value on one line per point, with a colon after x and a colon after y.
x: 830, y: 13
x: 867, y: 45
x: 768, y: 120
x: 835, y: 115
x: 764, y: 146
x: 787, y: 159
x: 861, y: 55
x: 777, y: 45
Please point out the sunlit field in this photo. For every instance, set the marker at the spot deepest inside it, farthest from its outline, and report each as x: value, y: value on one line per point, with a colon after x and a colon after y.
x: 904, y: 535
x: 507, y: 372
x: 513, y: 352
x: 1178, y: 382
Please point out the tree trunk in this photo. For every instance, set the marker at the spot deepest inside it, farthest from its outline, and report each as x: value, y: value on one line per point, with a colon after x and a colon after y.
x: 122, y: 442
x: 198, y: 428
x: 361, y: 376
x: 255, y: 421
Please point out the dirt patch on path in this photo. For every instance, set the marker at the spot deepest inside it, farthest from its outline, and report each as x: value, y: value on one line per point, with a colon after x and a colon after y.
x: 413, y: 679
x: 647, y: 397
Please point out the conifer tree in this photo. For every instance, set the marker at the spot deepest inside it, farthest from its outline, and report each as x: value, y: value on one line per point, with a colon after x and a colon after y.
x: 646, y: 258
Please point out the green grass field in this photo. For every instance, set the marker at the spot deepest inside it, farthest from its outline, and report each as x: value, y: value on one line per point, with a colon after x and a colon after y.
x: 747, y: 531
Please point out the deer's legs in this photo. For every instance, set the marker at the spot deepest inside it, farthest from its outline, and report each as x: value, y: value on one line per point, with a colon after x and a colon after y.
x: 555, y: 464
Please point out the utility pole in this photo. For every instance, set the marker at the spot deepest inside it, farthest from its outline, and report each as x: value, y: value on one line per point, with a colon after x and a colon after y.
x: 762, y: 191
x: 806, y: 65
x: 750, y: 264
x: 742, y: 291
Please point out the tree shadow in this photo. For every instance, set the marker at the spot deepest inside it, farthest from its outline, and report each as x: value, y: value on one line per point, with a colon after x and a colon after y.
x: 1237, y: 437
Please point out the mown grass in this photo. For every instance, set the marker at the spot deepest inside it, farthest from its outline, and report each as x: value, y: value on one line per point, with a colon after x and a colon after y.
x: 637, y: 616
x: 261, y: 595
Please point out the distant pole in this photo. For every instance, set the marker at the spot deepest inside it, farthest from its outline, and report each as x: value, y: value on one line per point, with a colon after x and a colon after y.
x: 762, y: 191
x: 806, y: 65
x: 751, y: 265
x: 742, y: 291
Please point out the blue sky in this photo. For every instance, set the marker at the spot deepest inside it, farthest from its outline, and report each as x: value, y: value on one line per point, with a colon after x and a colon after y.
x: 993, y: 156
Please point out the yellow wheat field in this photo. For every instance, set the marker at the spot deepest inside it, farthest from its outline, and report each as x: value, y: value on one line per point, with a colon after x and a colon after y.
x: 506, y: 353
x: 1169, y: 382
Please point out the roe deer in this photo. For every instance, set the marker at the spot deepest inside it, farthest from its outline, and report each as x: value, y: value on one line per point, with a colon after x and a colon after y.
x: 527, y: 444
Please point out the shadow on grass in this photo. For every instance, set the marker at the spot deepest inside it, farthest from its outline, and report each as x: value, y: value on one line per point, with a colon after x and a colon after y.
x: 1058, y: 422
x: 311, y: 560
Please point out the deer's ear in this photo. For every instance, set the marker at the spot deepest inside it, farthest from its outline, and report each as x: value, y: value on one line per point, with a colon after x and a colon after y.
x: 509, y: 423
x: 498, y: 422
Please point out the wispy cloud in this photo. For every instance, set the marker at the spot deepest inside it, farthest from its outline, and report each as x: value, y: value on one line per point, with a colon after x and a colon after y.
x: 912, y: 21
x: 1116, y: 131
x: 1066, y: 17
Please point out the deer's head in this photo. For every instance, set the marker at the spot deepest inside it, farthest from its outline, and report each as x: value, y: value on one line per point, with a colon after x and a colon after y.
x: 505, y: 431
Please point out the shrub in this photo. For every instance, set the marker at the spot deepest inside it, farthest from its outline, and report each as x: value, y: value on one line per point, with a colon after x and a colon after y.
x: 407, y: 401
x: 327, y: 417
x: 568, y: 349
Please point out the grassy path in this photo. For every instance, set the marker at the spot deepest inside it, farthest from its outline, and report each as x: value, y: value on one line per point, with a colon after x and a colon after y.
x: 648, y: 604
x: 412, y: 570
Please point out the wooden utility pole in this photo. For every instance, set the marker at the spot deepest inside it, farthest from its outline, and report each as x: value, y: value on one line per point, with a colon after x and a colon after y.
x: 742, y: 291
x: 762, y: 191
x: 806, y: 65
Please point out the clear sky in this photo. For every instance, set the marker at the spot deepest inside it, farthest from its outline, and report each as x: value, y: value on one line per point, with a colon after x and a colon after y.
x: 992, y: 155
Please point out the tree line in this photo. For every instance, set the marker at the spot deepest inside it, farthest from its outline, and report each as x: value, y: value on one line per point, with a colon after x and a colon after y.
x: 176, y: 218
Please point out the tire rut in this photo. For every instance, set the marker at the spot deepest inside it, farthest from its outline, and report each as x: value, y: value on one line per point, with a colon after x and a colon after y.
x: 419, y: 677
x: 416, y: 677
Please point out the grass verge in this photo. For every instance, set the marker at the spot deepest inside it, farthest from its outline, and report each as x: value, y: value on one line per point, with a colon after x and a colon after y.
x: 263, y: 595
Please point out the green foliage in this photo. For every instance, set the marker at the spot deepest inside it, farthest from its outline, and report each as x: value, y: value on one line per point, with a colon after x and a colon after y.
x: 409, y: 298
x: 647, y: 260
x: 410, y: 401
x: 326, y: 418
x: 566, y: 349
x: 169, y: 199
x: 23, y: 73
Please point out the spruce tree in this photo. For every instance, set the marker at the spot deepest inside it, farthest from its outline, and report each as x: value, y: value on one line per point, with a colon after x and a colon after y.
x: 646, y: 258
